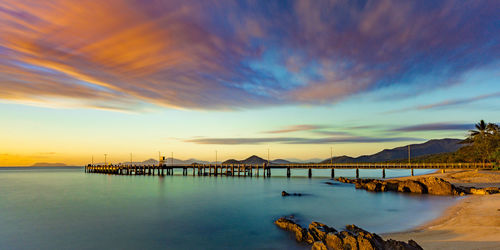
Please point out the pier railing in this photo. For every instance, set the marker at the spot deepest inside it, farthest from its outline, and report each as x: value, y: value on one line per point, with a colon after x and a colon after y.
x: 254, y: 169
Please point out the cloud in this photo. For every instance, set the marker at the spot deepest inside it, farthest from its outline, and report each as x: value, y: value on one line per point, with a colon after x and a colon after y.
x: 295, y: 128
x: 298, y: 140
x: 435, y: 127
x: 449, y: 103
x: 459, y: 101
x: 129, y: 55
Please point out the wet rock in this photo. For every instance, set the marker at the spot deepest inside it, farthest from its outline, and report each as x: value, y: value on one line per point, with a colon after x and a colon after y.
x: 333, y: 241
x: 349, y: 240
x: 365, y: 243
x: 373, y: 186
x: 331, y: 183
x: 400, y: 245
x: 290, y: 225
x: 284, y: 193
x: 375, y: 240
x: 318, y: 245
x: 430, y: 185
x: 323, y: 237
x: 318, y: 231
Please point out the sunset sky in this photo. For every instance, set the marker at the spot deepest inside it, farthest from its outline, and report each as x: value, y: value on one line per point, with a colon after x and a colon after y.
x: 86, y: 78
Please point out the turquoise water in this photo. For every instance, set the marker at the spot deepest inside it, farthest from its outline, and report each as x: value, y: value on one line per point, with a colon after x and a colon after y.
x: 64, y: 208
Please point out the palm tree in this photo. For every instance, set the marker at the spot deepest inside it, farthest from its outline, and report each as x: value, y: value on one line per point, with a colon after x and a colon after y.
x: 481, y: 129
x: 474, y: 134
x: 483, y: 139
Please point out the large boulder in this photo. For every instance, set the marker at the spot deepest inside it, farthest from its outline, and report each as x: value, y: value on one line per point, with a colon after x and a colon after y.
x: 438, y: 186
x: 318, y: 231
x: 409, y: 186
x: 289, y: 225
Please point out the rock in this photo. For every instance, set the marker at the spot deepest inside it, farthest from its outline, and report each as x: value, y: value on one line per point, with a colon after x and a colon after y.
x: 365, y: 243
x: 324, y: 237
x: 430, y: 185
x: 484, y: 191
x: 438, y: 186
x: 333, y: 241
x: 376, y: 241
x: 319, y: 245
x: 284, y: 193
x: 350, y: 242
x: 391, y: 244
x: 373, y: 186
x: 390, y: 186
x: 410, y: 186
x: 318, y: 231
x: 290, y: 225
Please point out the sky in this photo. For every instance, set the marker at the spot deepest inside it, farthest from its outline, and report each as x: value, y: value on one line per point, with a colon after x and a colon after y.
x: 80, y: 79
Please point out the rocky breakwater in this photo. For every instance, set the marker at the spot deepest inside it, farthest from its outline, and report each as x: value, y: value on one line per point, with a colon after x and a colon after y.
x: 321, y: 236
x: 425, y: 185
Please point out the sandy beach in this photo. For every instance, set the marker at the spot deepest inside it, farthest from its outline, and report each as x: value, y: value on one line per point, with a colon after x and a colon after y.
x: 472, y: 223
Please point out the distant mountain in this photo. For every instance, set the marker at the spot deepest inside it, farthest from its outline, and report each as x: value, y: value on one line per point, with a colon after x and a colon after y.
x: 280, y: 161
x: 312, y: 160
x: 231, y: 161
x: 428, y: 148
x: 250, y: 160
x: 168, y: 161
x: 255, y: 160
x: 48, y: 164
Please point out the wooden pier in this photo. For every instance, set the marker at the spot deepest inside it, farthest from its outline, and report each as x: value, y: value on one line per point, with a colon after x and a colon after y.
x: 264, y: 170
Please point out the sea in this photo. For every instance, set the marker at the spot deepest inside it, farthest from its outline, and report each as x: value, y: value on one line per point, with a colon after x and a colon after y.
x: 66, y: 208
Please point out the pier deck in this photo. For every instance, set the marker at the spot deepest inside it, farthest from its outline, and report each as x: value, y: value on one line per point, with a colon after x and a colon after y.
x: 255, y: 169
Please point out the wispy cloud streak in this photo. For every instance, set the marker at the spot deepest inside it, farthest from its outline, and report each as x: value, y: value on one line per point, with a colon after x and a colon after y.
x: 435, y: 127
x: 450, y: 103
x: 295, y: 128
x: 299, y: 140
x: 230, y: 55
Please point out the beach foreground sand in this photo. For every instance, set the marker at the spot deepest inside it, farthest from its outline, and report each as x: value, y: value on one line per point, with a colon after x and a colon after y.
x: 472, y: 223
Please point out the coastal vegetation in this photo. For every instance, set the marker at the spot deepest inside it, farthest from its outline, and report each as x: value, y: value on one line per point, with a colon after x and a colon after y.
x: 481, y: 145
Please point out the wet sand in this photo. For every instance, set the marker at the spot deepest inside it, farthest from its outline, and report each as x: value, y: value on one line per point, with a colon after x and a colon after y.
x: 472, y: 223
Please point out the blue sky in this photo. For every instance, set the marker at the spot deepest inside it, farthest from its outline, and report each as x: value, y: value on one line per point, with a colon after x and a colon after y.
x: 192, y: 77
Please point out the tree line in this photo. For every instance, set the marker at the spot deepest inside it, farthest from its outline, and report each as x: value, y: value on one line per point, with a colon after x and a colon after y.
x: 481, y: 145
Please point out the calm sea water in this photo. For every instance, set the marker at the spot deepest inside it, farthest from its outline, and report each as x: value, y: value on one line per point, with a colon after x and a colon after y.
x: 64, y: 208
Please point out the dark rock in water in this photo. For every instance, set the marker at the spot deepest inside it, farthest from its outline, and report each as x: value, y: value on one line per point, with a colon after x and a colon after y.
x: 323, y: 237
x: 284, y: 193
x: 331, y: 183
x: 397, y: 245
x: 427, y: 185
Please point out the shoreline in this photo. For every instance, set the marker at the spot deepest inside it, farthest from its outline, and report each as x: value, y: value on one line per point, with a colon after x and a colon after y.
x: 473, y: 222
